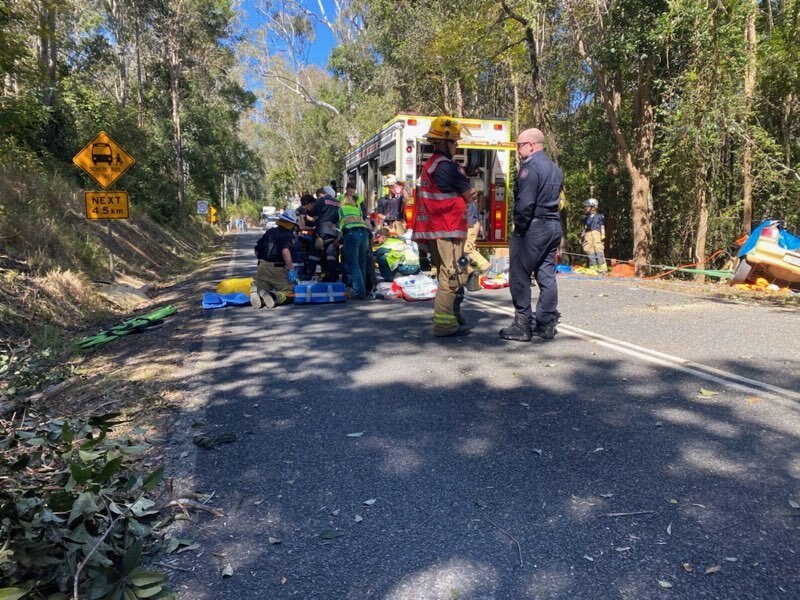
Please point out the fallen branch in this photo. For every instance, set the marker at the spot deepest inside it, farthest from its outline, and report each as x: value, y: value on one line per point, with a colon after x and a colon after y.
x: 628, y: 514
x: 111, y: 525
x: 508, y: 535
x: 183, y: 503
x: 54, y: 390
x: 169, y: 566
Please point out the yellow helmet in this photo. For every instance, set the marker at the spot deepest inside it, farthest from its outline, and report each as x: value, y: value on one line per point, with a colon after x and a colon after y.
x: 446, y: 128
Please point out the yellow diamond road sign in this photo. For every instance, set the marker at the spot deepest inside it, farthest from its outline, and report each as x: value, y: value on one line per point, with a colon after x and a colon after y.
x: 104, y: 160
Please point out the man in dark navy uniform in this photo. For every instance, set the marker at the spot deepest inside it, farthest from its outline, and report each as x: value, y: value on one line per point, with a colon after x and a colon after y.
x: 534, y: 243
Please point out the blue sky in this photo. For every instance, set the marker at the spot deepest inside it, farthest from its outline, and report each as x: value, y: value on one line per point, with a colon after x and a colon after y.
x: 321, y: 48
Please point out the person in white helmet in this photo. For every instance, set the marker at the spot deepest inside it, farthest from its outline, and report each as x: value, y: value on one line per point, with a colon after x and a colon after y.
x: 275, y: 277
x: 391, y: 208
x: 593, y: 236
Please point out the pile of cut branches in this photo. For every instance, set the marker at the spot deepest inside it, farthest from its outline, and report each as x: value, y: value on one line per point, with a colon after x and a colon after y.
x: 75, y: 519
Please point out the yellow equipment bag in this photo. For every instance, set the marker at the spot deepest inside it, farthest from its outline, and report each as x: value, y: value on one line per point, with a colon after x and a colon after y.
x: 234, y: 285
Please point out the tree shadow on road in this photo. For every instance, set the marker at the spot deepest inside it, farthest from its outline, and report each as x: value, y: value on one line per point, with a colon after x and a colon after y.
x: 470, y: 447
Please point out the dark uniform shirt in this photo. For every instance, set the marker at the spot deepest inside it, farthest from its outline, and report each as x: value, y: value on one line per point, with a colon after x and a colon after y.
x: 537, y: 190
x: 391, y: 206
x: 273, y: 242
x: 449, y: 177
x: 326, y: 214
x: 594, y: 222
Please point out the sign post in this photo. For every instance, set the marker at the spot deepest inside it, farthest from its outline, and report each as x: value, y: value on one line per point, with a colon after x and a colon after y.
x: 105, y: 162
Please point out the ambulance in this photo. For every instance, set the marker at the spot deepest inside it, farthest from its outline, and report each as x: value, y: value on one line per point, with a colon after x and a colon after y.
x: 400, y: 149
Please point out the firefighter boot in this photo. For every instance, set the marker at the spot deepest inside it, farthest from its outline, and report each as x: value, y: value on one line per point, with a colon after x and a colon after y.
x: 546, y: 331
x: 518, y: 331
x: 457, y: 308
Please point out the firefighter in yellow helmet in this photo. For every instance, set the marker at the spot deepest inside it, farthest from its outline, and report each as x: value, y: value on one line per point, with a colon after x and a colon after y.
x: 441, y: 223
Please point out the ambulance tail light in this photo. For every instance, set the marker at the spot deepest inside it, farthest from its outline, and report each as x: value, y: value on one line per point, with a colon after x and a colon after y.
x: 412, y: 122
x: 498, y: 127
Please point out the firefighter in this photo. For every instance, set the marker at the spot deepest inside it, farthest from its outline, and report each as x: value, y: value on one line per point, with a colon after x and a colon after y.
x: 326, y: 216
x: 593, y: 235
x: 535, y: 241
x: 275, y: 277
x: 441, y: 223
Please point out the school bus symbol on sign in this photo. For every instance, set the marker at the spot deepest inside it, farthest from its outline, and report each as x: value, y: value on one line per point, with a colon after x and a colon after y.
x: 103, y: 160
x: 106, y: 205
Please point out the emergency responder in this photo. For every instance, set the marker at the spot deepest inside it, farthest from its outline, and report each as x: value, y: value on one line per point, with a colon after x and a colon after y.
x: 355, y: 238
x: 326, y: 215
x: 441, y: 223
x: 391, y: 208
x: 478, y: 260
x: 394, y: 255
x: 308, y: 236
x: 534, y: 243
x: 275, y: 277
x: 593, y: 235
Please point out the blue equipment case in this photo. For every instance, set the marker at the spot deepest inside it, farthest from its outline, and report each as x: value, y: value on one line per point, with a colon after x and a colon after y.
x: 313, y: 292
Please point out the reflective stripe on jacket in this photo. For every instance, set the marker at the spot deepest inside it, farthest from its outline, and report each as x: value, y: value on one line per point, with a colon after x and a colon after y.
x: 350, y: 217
x: 439, y: 214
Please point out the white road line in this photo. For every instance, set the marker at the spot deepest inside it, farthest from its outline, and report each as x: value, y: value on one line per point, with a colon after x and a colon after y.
x: 780, y: 395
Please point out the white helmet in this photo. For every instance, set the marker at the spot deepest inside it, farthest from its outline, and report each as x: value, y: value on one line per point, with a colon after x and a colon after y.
x: 390, y: 180
x: 591, y: 202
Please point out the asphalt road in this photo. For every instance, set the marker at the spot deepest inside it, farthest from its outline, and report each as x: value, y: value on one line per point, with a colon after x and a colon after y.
x: 591, y: 466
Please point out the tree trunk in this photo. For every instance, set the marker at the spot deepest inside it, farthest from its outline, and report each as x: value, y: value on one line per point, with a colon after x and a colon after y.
x: 641, y: 216
x: 459, y: 99
x: 541, y: 115
x: 701, y: 200
x: 174, y: 74
x: 749, y: 90
x: 139, y: 89
x: 445, y: 94
x: 516, y: 105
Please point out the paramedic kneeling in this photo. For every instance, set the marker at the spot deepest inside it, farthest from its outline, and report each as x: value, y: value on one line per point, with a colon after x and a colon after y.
x: 275, y: 276
x: 534, y: 243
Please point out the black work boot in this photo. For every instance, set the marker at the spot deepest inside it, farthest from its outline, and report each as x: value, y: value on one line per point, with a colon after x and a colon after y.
x: 545, y: 331
x: 518, y: 331
x: 457, y: 308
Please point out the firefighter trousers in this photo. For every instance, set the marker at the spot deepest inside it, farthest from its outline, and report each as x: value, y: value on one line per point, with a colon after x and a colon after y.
x: 451, y: 278
x: 470, y: 247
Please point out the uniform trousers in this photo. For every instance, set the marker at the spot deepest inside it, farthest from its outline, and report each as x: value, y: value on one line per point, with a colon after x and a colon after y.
x: 471, y: 248
x: 533, y: 252
x: 274, y: 279
x: 354, y: 258
x: 451, y: 278
x: 593, y: 247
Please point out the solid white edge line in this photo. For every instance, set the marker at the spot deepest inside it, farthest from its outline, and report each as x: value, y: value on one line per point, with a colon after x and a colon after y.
x: 701, y: 371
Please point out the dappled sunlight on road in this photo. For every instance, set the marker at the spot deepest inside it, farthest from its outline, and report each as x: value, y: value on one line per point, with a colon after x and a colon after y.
x: 454, y: 578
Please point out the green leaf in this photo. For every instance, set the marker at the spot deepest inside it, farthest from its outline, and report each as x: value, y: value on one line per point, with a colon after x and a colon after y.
x: 706, y: 393
x: 66, y: 433
x: 12, y: 593
x: 151, y: 481
x: 83, y: 506
x: 142, y: 578
x: 132, y: 557
x: 88, y: 457
x: 80, y: 475
x: 111, y: 467
x: 149, y: 592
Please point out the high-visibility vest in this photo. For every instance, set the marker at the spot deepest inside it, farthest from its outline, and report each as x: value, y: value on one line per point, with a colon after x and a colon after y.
x: 350, y: 217
x: 439, y: 214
